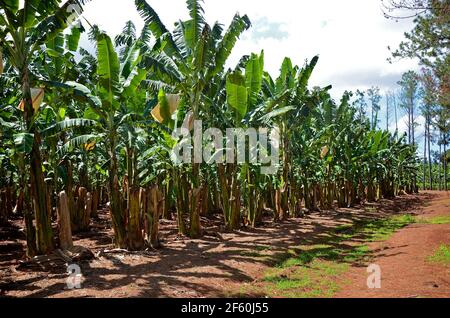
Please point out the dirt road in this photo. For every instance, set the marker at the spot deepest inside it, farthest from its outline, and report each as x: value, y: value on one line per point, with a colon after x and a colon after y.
x: 403, y: 259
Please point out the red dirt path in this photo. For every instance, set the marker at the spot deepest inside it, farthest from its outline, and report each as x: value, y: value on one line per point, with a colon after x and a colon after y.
x: 405, y: 271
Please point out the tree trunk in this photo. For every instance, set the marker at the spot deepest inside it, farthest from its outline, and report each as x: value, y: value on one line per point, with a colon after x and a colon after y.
x: 445, y: 162
x: 9, y: 201
x: 44, y: 233
x: 115, y: 203
x: 80, y: 222
x: 153, y: 213
x: 195, y: 197
x: 95, y: 202
x: 30, y: 229
x: 225, y: 194
x: 279, y: 215
x: 196, y: 204
x: 370, y: 192
x: 440, y: 165
x: 180, y: 208
x: 167, y: 200
x: 70, y: 188
x: 430, y: 163
x: 135, y: 239
x: 87, y: 212
x: 3, y: 210
x: 18, y: 210
x: 235, y: 199
x: 424, y: 187
x: 236, y: 206
x: 65, y: 231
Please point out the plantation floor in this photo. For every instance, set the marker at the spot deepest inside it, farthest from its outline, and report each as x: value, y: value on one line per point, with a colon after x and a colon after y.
x: 406, y: 259
x: 321, y: 255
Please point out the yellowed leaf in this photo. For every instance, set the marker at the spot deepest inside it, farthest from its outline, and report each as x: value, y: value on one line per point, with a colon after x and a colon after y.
x: 37, y: 95
x: 174, y: 102
x: 89, y: 146
x: 324, y: 151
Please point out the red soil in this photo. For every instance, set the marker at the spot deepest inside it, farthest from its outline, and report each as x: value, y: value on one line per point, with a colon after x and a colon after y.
x: 220, y: 263
x: 405, y: 270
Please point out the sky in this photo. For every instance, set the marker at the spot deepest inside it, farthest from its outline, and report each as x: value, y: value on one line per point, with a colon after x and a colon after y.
x: 351, y: 37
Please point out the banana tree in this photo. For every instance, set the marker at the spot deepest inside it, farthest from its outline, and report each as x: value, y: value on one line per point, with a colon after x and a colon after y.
x: 24, y: 27
x: 56, y: 63
x: 112, y: 96
x: 194, y: 57
x: 288, y: 107
x: 243, y: 93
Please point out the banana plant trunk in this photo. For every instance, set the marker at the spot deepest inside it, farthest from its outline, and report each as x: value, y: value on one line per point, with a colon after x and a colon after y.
x: 195, y: 193
x: 231, y: 195
x: 252, y: 204
x: 180, y: 200
x: 225, y: 193
x: 41, y: 206
x: 135, y: 239
x: 154, y: 207
x: 115, y: 203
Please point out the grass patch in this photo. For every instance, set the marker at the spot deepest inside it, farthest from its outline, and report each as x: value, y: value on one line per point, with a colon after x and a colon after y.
x: 315, y: 280
x: 381, y: 230
x: 313, y: 270
x: 441, y: 255
x: 439, y: 220
x: 305, y: 255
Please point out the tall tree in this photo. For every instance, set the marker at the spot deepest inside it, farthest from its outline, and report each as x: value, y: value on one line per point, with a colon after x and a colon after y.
x: 391, y: 108
x: 409, y: 95
x: 429, y: 40
x: 430, y: 102
x: 374, y: 97
x: 388, y: 111
x: 24, y: 27
x: 441, y: 120
x: 361, y: 105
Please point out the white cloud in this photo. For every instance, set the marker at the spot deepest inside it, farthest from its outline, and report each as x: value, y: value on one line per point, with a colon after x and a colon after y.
x: 351, y: 36
x: 403, y: 126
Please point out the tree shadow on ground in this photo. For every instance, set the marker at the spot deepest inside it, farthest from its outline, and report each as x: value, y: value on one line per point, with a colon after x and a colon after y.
x: 205, y: 267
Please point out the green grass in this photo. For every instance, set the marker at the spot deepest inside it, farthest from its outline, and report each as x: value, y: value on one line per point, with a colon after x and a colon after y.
x: 313, y: 270
x: 375, y: 230
x: 305, y: 255
x: 440, y: 220
x: 445, y: 219
x: 315, y: 280
x: 381, y: 230
x: 441, y: 255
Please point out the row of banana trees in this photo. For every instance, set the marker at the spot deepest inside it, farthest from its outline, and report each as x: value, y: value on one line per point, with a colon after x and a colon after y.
x: 104, y: 122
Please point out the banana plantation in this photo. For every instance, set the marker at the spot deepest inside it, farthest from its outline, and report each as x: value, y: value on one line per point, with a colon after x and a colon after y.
x: 162, y: 154
x: 92, y: 132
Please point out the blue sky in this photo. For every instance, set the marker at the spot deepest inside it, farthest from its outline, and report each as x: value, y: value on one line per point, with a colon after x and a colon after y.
x: 350, y: 36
